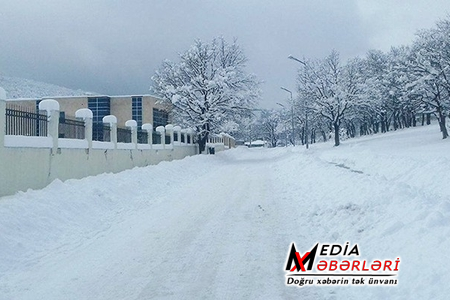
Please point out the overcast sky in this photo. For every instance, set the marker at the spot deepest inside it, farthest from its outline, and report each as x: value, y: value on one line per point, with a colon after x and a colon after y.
x: 114, y: 46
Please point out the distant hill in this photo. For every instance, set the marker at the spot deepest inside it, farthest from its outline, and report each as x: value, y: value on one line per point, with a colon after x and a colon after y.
x: 25, y: 88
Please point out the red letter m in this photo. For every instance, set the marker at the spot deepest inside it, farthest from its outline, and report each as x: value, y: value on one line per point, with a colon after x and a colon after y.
x: 299, y: 261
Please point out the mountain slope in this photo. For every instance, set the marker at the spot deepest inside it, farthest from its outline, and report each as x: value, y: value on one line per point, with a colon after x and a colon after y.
x: 25, y: 88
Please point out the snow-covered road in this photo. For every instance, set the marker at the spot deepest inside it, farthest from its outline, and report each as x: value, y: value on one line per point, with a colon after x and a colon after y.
x: 220, y: 227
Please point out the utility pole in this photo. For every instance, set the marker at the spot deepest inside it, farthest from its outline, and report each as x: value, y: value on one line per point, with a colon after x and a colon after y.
x: 292, y: 115
x: 305, y: 103
x: 285, y: 129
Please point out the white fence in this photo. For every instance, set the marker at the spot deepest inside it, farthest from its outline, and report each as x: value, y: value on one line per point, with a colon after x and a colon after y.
x: 35, y: 161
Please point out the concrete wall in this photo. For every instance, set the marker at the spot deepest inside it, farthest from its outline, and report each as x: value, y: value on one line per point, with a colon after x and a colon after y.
x: 34, y: 168
x: 34, y: 162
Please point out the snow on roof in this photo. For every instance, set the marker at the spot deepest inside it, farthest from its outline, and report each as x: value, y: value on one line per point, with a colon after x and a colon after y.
x: 257, y: 142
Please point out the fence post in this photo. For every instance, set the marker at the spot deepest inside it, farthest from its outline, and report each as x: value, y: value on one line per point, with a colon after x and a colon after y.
x: 177, y: 131
x: 2, y: 117
x: 169, y: 129
x: 162, y: 132
x: 132, y: 124
x: 191, y: 133
x: 112, y: 121
x: 87, y: 116
x: 52, y: 108
x: 149, y: 128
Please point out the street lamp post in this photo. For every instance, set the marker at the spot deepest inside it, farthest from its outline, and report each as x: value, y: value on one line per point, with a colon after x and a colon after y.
x: 285, y: 130
x: 306, y: 124
x: 297, y: 60
x: 306, y: 106
x: 292, y: 115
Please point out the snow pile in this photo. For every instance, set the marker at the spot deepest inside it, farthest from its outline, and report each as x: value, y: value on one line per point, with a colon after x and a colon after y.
x: 388, y: 193
x: 25, y: 88
x: 220, y: 226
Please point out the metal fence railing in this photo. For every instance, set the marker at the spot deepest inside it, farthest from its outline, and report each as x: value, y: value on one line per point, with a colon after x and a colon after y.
x: 101, y: 132
x: 156, y: 138
x: 123, y: 135
x: 22, y: 121
x: 142, y: 137
x: 28, y: 122
x: 71, y: 128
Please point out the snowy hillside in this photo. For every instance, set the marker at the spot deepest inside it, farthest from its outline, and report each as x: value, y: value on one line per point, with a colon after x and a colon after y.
x: 25, y: 88
x: 219, y: 227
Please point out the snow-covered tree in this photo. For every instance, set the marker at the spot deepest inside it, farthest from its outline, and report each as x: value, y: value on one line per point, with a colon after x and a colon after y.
x: 272, y: 127
x: 388, y: 102
x: 430, y: 63
x: 330, y: 88
x: 208, y: 87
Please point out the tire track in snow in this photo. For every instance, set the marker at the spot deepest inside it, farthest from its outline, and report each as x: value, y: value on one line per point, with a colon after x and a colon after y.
x: 236, y: 252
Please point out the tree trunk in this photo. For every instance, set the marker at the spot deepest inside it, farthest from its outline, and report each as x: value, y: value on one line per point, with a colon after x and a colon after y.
x: 336, y: 134
x: 383, y: 123
x: 202, y: 143
x: 442, y: 125
x: 324, y: 135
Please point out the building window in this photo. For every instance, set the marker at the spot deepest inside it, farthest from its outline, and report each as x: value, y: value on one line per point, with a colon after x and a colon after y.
x: 160, y: 117
x: 136, y: 110
x: 100, y: 107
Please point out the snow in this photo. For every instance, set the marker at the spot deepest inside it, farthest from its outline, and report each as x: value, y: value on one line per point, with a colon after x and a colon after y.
x: 131, y: 123
x: 257, y: 142
x: 84, y: 113
x: 49, y: 105
x: 28, y: 141
x: 25, y: 88
x: 110, y: 119
x: 169, y: 127
x: 102, y: 145
x: 147, y: 127
x: 2, y: 94
x: 17, y: 141
x: 220, y: 226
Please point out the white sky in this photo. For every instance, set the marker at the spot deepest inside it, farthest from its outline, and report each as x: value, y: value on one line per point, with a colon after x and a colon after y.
x: 114, y: 46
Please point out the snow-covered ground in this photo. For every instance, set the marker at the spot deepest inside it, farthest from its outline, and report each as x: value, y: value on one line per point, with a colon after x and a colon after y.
x: 220, y: 226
